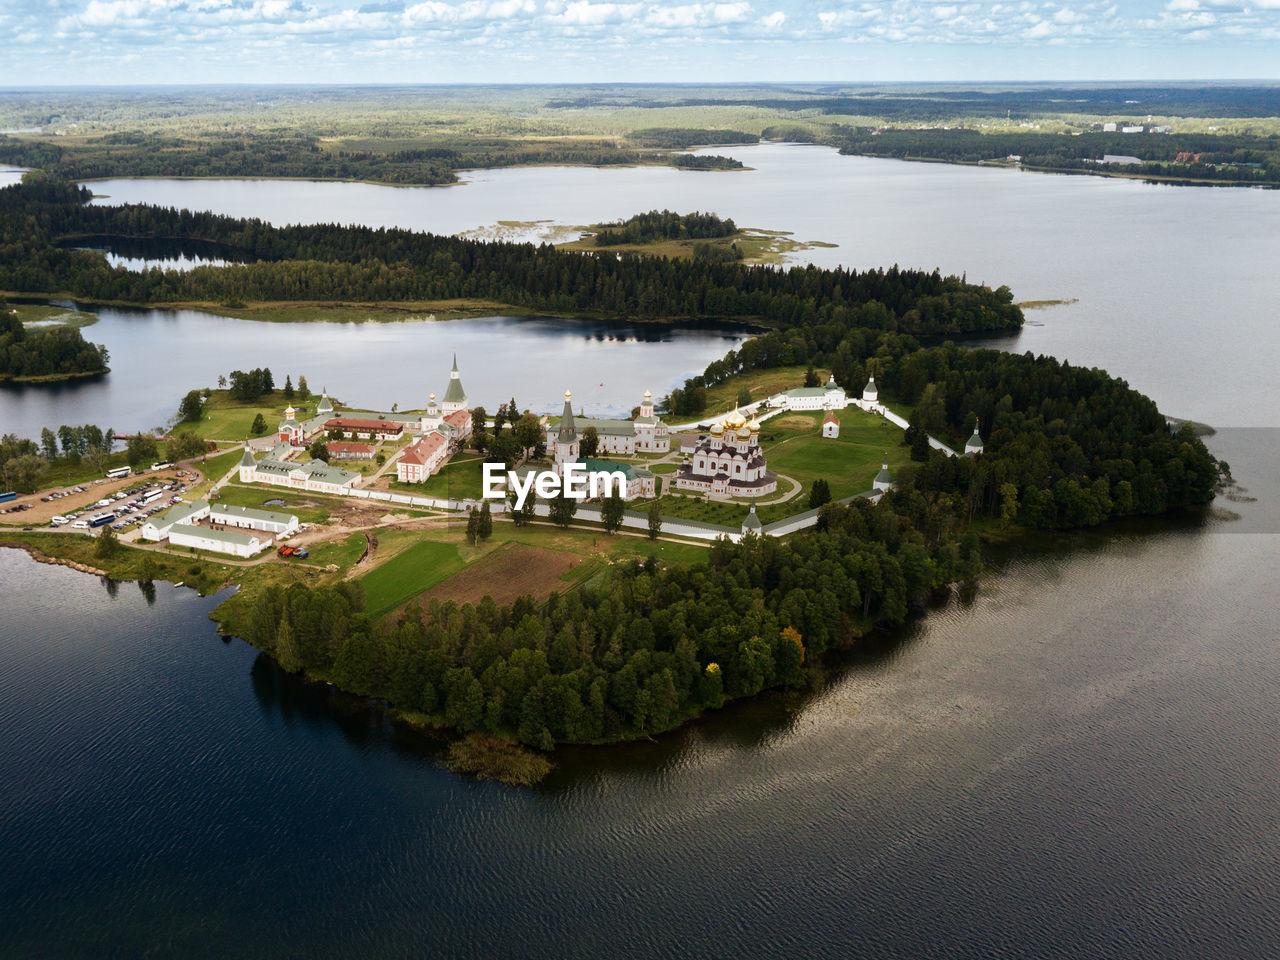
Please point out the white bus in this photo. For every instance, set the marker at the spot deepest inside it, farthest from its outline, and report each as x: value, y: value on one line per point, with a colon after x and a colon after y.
x: 117, y: 473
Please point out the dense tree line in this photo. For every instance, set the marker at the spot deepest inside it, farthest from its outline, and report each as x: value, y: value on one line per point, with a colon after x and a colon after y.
x: 279, y: 155
x: 1225, y: 157
x: 326, y: 262
x: 659, y: 225
x: 641, y: 652
x: 59, y: 351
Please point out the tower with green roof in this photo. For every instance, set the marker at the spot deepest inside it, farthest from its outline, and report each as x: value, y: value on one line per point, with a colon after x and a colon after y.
x: 455, y: 398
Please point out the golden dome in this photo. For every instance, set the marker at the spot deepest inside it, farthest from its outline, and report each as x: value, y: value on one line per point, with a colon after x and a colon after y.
x: 568, y: 395
x: 734, y: 420
x: 717, y: 429
x: 648, y: 395
x: 754, y: 425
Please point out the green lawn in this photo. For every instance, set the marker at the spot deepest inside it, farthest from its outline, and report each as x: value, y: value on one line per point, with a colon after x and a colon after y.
x: 848, y: 463
x: 342, y: 553
x: 408, y: 574
x: 49, y: 316
x: 308, y: 507
x: 461, y: 478
x: 761, y: 384
x: 228, y: 419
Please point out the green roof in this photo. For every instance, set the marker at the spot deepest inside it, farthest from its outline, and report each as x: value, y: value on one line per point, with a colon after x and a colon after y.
x: 752, y: 522
x: 454, y: 392
x: 252, y: 513
x: 807, y: 392
x: 326, y: 473
x: 247, y: 460
x: 631, y: 471
x: 226, y: 536
x: 974, y: 441
x: 179, y: 513
x: 884, y: 476
x: 568, y: 432
x: 614, y: 428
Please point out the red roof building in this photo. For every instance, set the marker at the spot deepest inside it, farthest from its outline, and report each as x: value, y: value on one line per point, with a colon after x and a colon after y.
x: 355, y: 427
x: 341, y: 450
x: 422, y: 458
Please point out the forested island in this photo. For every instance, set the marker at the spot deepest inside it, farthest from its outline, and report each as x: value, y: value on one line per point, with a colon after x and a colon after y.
x: 324, y: 262
x: 57, y: 353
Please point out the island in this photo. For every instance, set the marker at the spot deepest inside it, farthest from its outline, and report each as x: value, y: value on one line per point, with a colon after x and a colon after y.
x: 829, y: 477
x: 51, y: 353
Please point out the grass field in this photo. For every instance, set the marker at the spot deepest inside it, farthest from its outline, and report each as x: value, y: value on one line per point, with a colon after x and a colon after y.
x: 408, y: 574
x: 460, y: 478
x: 760, y: 383
x: 795, y: 447
x: 39, y: 316
x: 309, y: 507
x: 342, y: 553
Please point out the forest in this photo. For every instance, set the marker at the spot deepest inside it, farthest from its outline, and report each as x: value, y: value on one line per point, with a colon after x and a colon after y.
x: 325, y: 262
x: 56, y: 353
x: 664, y: 225
x: 1199, y: 156
x: 302, y: 156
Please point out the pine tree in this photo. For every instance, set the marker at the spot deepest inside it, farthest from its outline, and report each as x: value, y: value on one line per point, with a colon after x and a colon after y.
x: 611, y: 513
x: 288, y: 388
x: 655, y: 521
x: 485, y: 525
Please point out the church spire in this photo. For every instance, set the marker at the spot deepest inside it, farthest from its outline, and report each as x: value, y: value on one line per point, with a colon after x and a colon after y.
x: 568, y: 429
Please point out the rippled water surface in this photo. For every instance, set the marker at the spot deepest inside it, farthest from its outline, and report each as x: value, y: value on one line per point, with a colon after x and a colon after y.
x: 1080, y: 761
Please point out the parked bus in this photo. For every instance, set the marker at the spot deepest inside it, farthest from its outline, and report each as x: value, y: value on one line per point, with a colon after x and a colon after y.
x: 117, y: 473
x: 162, y: 465
x: 8, y: 495
x: 101, y: 519
x: 152, y: 497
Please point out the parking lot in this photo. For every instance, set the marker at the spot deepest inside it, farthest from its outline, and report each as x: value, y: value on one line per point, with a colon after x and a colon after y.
x: 122, y: 498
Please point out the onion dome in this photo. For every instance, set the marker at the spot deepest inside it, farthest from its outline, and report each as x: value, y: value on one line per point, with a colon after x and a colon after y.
x: 717, y: 429
x: 754, y: 425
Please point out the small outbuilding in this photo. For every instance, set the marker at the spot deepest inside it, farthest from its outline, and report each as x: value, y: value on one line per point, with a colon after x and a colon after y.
x: 831, y: 425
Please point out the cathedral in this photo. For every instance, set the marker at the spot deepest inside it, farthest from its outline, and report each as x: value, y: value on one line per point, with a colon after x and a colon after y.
x: 729, y: 462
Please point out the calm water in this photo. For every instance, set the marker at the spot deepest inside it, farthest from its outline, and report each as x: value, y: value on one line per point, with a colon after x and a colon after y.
x: 371, y: 365
x: 1081, y: 762
x: 1176, y: 286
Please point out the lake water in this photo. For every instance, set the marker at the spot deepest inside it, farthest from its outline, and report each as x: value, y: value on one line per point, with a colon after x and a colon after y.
x: 158, y: 355
x: 1080, y: 762
x: 1171, y: 282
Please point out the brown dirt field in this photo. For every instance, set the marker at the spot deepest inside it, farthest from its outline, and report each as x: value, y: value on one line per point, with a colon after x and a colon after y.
x: 513, y: 570
x: 796, y: 422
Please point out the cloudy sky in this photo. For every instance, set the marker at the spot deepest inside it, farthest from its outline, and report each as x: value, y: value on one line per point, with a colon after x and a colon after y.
x: 440, y: 41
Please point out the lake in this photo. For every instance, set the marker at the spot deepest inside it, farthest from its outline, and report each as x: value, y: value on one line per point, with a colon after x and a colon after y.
x: 158, y: 355
x: 1079, y: 762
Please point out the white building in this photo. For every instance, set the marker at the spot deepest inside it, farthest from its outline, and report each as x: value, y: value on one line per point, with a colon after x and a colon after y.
x: 217, y: 541
x: 870, y: 393
x: 884, y: 479
x: 811, y: 398
x: 645, y: 434
x: 158, y: 527
x: 316, y: 475
x: 831, y: 425
x: 974, y: 444
x: 268, y: 521
x: 422, y: 458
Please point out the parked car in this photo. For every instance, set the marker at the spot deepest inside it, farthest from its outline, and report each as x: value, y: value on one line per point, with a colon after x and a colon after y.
x: 80, y: 525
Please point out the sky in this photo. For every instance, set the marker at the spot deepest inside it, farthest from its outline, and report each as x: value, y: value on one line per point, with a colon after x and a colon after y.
x: 56, y: 42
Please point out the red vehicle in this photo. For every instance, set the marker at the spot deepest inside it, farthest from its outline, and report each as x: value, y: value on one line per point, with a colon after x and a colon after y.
x: 286, y: 551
